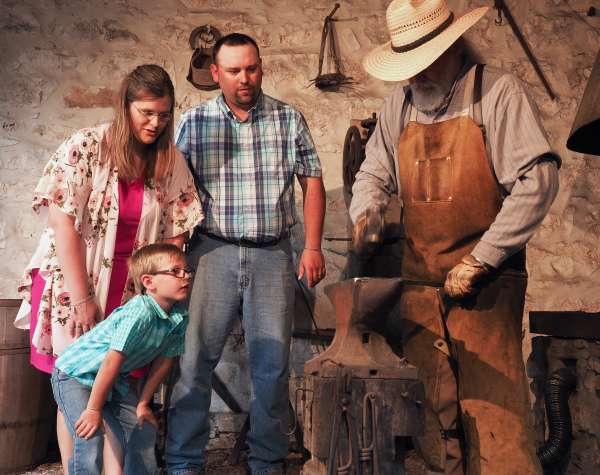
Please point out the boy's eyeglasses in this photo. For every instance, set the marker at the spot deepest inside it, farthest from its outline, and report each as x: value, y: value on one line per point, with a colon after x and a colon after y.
x: 175, y: 271
x: 162, y: 116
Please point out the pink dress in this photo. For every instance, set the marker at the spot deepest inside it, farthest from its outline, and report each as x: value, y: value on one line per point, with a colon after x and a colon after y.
x: 131, y: 198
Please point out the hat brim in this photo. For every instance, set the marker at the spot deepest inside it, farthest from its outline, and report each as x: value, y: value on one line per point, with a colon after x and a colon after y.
x: 387, y: 65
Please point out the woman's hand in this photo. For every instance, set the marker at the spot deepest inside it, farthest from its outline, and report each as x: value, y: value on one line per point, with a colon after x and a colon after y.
x: 84, y: 317
x: 88, y: 423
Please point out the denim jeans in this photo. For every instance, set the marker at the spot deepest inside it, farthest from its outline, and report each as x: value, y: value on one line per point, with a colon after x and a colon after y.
x: 119, y: 413
x: 257, y: 283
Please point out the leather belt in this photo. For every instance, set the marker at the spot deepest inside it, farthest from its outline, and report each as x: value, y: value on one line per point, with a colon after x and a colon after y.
x: 246, y: 242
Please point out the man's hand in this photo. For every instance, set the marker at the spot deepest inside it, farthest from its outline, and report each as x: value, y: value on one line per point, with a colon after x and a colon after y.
x: 462, y: 280
x: 144, y: 413
x: 367, y: 233
x: 312, y: 263
x: 88, y: 423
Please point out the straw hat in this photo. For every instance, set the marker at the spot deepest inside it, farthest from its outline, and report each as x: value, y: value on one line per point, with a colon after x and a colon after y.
x: 420, y: 31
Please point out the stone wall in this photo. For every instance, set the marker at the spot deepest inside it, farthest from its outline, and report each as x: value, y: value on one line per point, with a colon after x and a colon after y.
x: 62, y: 58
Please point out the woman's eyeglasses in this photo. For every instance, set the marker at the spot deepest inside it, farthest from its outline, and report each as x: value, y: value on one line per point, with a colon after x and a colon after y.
x: 148, y: 114
x: 175, y: 271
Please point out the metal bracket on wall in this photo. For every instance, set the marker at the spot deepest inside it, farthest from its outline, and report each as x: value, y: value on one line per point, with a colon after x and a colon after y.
x: 502, y: 8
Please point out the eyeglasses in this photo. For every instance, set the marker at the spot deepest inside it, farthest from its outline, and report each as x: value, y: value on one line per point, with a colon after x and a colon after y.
x: 162, y: 116
x: 175, y: 272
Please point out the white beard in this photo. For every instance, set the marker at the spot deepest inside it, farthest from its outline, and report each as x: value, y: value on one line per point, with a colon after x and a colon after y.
x: 429, y: 96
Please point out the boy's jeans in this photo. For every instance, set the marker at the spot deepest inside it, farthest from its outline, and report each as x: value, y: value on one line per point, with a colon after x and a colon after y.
x: 119, y: 413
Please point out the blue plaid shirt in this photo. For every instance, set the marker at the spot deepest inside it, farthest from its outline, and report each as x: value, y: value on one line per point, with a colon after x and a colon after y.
x: 245, y: 170
x: 140, y: 329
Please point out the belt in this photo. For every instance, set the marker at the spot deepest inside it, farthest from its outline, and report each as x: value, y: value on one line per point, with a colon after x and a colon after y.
x: 452, y: 434
x: 246, y: 242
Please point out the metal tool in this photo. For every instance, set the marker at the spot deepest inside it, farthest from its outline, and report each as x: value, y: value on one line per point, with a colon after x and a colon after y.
x: 502, y: 8
x: 330, y: 81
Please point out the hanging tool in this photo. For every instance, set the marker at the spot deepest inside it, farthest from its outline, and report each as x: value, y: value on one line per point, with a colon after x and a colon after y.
x: 330, y: 81
x: 501, y: 6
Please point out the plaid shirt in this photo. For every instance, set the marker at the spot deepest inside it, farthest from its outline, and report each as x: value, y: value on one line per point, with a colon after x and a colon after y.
x: 245, y: 171
x: 140, y: 329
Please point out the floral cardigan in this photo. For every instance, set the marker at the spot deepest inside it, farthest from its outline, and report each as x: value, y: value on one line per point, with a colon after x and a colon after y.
x: 78, y: 181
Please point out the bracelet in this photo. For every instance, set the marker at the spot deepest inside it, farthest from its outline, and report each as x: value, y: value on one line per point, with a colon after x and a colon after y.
x: 92, y: 410
x: 313, y: 249
x: 87, y: 299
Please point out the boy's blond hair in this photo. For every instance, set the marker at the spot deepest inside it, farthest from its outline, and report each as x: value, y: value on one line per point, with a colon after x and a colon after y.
x: 149, y: 259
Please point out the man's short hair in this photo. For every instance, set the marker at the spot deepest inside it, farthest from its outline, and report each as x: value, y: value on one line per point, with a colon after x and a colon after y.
x: 233, y: 39
x: 149, y: 259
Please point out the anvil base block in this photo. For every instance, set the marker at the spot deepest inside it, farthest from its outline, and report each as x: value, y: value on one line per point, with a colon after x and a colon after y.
x: 359, y: 423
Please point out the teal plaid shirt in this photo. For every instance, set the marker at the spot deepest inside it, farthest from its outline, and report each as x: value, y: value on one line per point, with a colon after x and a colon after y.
x: 140, y: 329
x: 245, y: 171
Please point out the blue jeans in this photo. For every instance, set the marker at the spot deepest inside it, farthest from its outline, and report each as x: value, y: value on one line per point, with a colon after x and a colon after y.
x: 119, y: 413
x: 259, y: 284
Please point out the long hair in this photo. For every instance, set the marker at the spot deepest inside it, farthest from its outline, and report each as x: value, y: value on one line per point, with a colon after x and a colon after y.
x: 145, y: 80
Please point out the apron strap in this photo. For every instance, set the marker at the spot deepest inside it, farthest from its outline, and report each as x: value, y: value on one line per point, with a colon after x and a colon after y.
x: 478, y: 119
x: 406, y: 104
x: 467, y: 102
x: 472, y: 107
x: 477, y: 88
x: 413, y: 113
x: 473, y: 93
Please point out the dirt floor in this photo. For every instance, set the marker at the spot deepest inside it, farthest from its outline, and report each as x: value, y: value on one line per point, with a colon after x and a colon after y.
x: 217, y: 465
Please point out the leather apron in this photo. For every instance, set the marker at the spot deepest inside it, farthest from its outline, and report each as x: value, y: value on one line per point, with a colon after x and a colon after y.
x: 469, y: 356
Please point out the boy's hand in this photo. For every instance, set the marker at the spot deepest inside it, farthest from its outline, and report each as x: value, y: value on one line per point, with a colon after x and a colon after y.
x: 88, y: 423
x: 143, y: 412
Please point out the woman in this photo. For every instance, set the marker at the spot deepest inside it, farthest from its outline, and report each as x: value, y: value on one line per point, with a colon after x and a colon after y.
x: 108, y: 190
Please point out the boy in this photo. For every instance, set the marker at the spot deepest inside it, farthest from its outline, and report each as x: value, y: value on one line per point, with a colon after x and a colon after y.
x: 89, y: 379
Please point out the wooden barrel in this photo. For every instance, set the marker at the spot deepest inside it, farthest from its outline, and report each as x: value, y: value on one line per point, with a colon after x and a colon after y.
x: 27, y: 408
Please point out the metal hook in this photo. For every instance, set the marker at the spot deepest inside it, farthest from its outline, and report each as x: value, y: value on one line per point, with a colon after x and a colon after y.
x: 497, y: 5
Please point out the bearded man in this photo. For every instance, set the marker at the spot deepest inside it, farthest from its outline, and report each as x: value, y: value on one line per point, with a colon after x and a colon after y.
x: 461, y: 148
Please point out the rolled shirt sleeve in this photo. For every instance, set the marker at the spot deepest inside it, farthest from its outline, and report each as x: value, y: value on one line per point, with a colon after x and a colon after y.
x: 307, y: 161
x: 182, y: 135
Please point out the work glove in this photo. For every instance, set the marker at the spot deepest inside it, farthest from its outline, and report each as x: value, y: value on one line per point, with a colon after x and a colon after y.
x: 367, y: 233
x: 463, y: 278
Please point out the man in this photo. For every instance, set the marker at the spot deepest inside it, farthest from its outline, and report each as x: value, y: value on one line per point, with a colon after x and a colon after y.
x: 245, y: 148
x: 463, y: 151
